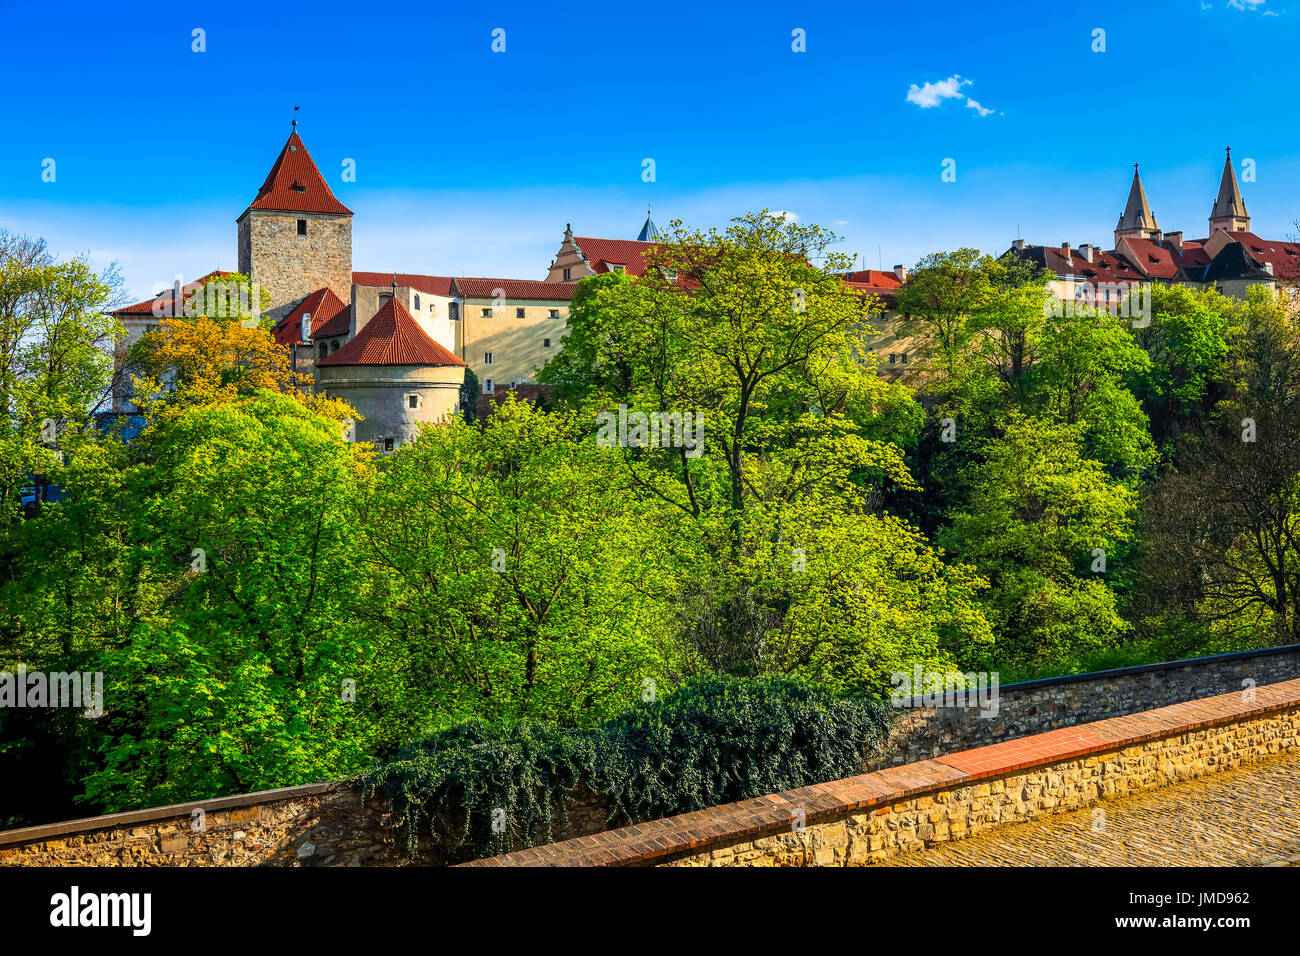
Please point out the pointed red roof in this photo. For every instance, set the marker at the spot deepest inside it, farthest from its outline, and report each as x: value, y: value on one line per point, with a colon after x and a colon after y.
x: 294, y: 184
x: 392, y: 337
x: 323, y: 305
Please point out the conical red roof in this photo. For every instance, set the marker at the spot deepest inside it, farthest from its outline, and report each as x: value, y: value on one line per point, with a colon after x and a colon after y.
x: 296, y: 185
x: 392, y: 337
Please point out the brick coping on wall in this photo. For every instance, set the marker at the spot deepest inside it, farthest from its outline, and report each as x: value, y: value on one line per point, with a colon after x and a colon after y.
x: 130, y: 817
x: 662, y: 840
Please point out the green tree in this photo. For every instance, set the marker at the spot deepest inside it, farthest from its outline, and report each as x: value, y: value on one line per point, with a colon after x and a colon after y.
x: 513, y: 574
x: 1040, y: 517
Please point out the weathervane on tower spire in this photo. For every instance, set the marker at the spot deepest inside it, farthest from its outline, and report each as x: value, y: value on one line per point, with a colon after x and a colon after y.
x: 295, y: 120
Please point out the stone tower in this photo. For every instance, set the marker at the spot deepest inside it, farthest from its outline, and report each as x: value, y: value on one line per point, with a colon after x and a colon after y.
x: 295, y: 237
x: 1229, y: 210
x: 395, y: 376
x: 1137, y: 221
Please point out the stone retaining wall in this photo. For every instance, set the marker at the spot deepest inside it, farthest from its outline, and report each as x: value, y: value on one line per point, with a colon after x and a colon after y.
x: 879, y: 815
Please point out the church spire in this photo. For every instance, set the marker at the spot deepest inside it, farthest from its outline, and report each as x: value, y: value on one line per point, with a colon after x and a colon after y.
x: 649, y: 232
x: 1137, y: 221
x: 1229, y: 210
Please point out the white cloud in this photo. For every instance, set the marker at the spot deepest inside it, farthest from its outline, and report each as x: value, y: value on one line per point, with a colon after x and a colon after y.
x: 787, y: 216
x: 1247, y: 5
x: 932, y: 94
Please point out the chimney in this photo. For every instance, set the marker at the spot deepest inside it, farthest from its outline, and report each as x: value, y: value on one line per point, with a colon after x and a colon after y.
x: 901, y: 272
x: 1175, y: 239
x: 1065, y: 249
x: 1018, y: 245
x: 1089, y: 251
x: 1157, y: 235
x: 306, y: 327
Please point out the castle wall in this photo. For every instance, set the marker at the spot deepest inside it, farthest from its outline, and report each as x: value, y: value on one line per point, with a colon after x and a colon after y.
x: 518, y: 345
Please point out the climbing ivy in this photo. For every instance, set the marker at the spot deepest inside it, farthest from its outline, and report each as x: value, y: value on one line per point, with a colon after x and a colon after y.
x: 715, y: 740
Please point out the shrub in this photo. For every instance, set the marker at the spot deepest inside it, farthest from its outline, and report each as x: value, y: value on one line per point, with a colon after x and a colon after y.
x: 715, y: 740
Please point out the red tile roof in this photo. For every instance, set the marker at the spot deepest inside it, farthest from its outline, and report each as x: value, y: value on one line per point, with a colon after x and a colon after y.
x: 392, y: 337
x: 1284, y: 256
x: 1162, y: 260
x: 888, y: 296
x: 339, y: 324
x: 601, y: 253
x: 874, y: 277
x: 477, y: 288
x: 433, y: 285
x: 166, y: 296
x: 323, y: 305
x: 1105, y: 266
x: 294, y: 184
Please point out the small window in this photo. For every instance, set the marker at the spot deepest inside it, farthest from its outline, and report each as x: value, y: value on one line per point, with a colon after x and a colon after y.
x: 555, y: 313
x: 453, y: 311
x: 151, y: 327
x: 893, y: 358
x: 412, y: 401
x: 568, y: 275
x: 388, y: 444
x: 903, y: 357
x: 324, y: 349
x: 487, y: 358
x: 487, y: 313
x: 302, y: 227
x: 334, y: 346
x: 615, y: 267
x: 546, y: 343
x: 519, y: 313
x: 670, y: 275
x: 417, y: 301
x: 487, y: 386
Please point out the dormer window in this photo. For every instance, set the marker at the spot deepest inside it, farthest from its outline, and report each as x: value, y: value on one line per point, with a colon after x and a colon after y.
x: 616, y: 267
x: 299, y: 187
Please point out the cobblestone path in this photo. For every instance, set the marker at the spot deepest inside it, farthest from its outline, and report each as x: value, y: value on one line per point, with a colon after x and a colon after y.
x: 1244, y: 817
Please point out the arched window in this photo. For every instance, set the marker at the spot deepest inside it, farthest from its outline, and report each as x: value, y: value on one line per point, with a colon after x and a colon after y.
x: 417, y: 301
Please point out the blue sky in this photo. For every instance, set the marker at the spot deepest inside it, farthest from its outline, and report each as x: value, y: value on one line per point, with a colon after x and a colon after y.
x: 471, y: 162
